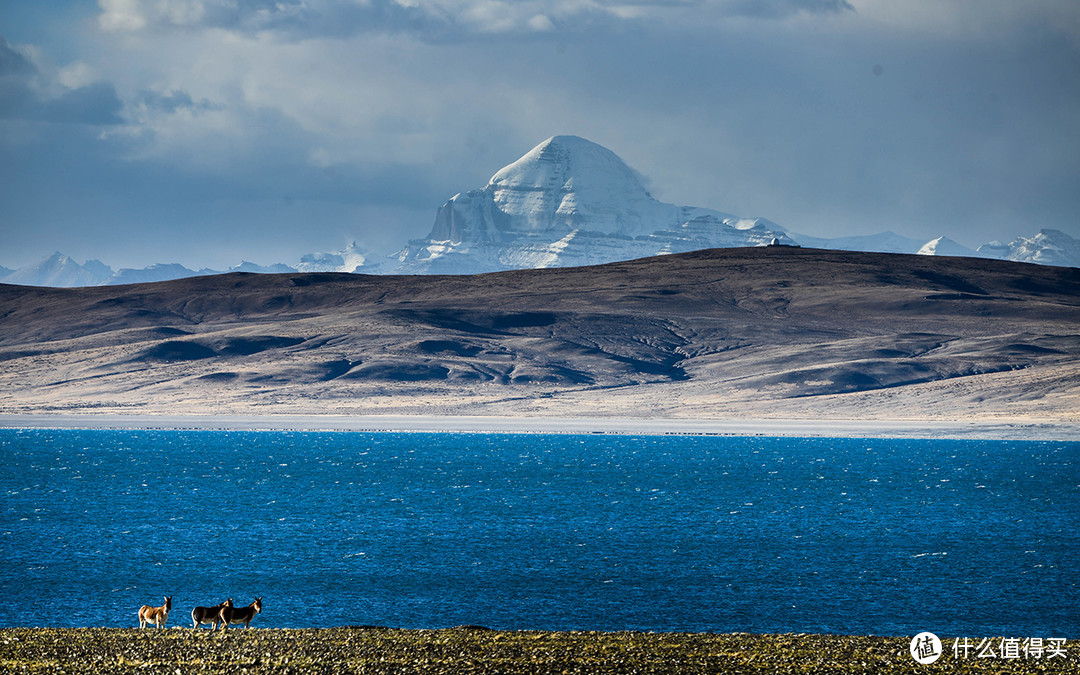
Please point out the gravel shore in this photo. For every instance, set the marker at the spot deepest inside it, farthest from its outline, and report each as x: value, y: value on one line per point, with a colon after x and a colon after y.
x: 1016, y: 428
x: 476, y: 650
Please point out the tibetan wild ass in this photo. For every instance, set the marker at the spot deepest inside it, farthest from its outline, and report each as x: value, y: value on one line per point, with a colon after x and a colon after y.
x: 210, y: 615
x: 242, y: 615
x: 155, y: 615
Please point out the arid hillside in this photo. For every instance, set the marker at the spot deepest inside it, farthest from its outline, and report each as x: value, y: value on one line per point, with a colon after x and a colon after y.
x: 763, y: 332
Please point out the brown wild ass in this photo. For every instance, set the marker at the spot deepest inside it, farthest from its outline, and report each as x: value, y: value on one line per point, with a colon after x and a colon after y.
x: 210, y: 615
x: 242, y: 615
x: 155, y: 615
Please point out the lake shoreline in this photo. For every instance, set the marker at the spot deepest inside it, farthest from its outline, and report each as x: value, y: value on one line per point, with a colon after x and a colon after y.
x: 1003, y: 429
x: 473, y: 649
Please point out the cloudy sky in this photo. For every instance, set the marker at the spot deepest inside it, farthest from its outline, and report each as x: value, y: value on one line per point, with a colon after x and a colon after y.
x: 210, y: 131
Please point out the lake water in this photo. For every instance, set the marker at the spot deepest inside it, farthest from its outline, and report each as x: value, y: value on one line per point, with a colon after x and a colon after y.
x: 666, y: 533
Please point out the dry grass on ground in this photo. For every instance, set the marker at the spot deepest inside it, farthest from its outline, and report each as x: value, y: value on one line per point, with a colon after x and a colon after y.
x: 474, y: 650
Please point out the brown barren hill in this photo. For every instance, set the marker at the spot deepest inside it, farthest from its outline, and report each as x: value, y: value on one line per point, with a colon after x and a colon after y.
x: 763, y: 332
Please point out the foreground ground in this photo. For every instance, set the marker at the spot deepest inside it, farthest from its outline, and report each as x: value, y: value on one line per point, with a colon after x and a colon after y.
x: 477, y: 650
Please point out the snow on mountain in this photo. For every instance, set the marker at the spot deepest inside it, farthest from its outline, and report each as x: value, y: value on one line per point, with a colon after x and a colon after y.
x: 352, y: 259
x: 60, y: 270
x: 883, y: 242
x: 1048, y: 247
x: 993, y: 249
x: 946, y: 246
x: 157, y: 272
x: 568, y: 202
x: 570, y: 183
x: 253, y: 268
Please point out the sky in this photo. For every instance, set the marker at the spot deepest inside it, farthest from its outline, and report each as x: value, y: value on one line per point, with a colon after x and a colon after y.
x: 208, y: 132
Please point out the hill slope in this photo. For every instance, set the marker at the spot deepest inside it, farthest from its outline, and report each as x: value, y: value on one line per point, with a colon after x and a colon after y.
x: 769, y: 331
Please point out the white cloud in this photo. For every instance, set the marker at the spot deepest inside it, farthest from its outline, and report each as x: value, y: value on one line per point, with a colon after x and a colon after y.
x: 32, y: 88
x: 214, y: 98
x: 438, y: 19
x: 182, y: 12
x: 136, y: 15
x: 78, y: 74
x: 541, y: 23
x: 973, y: 18
x: 768, y: 108
x: 121, y: 15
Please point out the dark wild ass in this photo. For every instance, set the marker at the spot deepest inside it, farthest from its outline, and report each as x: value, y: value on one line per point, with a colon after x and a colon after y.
x: 155, y: 615
x: 210, y: 615
x: 242, y: 615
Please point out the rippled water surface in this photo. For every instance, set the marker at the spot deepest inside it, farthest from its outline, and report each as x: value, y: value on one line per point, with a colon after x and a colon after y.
x: 666, y: 533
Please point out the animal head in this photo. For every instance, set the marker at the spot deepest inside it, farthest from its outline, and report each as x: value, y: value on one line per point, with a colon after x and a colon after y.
x: 258, y: 605
x: 227, y: 603
x: 168, y: 602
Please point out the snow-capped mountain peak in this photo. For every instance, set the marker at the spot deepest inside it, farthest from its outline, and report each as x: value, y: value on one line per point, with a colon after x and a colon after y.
x: 568, y: 182
x: 569, y: 201
x: 60, y: 270
x: 352, y: 258
x: 1048, y: 247
x: 945, y: 246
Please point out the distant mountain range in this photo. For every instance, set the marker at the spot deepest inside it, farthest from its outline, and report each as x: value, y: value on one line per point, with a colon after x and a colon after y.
x: 568, y: 202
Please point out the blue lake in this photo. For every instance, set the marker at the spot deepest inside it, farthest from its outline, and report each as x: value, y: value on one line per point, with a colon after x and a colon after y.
x: 666, y: 533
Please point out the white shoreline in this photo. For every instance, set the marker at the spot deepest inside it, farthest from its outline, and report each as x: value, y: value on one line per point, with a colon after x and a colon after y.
x: 1016, y: 429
